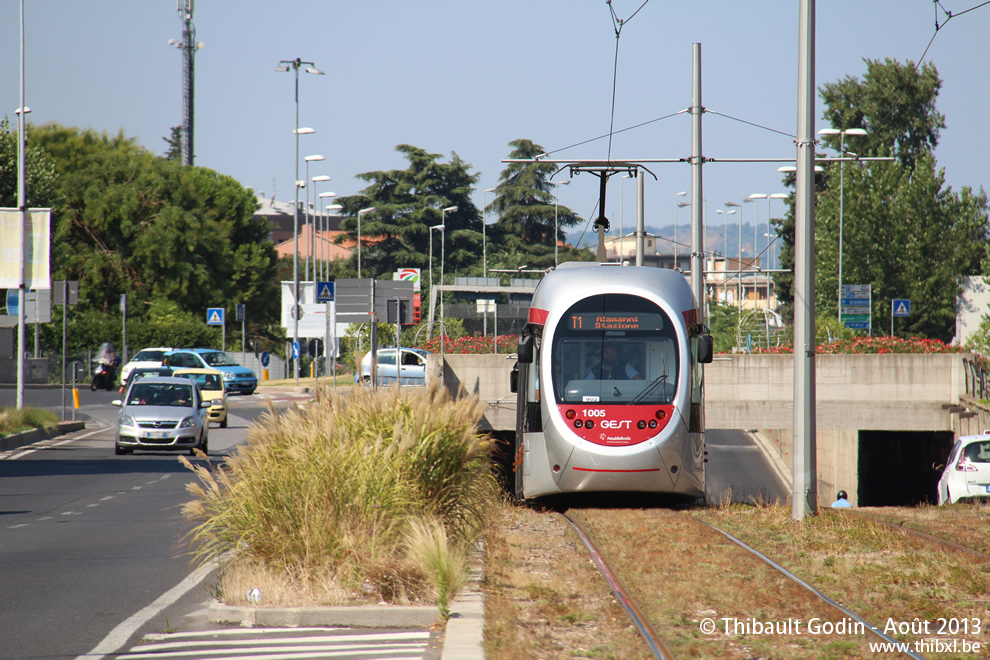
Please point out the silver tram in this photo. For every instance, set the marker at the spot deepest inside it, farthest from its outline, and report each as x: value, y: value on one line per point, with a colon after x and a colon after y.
x: 609, y: 384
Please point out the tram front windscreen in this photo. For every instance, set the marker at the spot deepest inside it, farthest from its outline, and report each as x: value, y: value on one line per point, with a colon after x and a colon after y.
x: 617, y: 349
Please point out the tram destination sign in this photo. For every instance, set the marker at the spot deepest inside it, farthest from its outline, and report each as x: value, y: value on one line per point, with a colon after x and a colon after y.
x: 614, y: 321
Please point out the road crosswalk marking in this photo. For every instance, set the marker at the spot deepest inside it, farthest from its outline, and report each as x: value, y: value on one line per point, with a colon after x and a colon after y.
x: 281, y: 644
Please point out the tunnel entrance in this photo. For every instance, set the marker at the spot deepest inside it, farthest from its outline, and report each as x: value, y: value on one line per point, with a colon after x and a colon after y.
x: 895, y: 467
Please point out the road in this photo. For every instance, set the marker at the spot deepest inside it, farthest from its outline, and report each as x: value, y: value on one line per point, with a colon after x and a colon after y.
x: 88, y: 538
x: 739, y: 471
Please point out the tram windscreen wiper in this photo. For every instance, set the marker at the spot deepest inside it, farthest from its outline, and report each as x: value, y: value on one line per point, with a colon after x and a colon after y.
x: 648, y: 389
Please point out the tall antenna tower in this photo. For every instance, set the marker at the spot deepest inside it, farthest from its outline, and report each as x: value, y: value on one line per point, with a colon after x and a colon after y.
x: 189, y: 47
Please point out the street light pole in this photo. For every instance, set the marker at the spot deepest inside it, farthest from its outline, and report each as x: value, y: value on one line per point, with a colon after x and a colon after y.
x: 677, y: 205
x: 284, y: 66
x: 842, y: 171
x: 309, y: 227
x: 360, y: 213
x: 320, y: 222
x: 738, y: 259
x: 443, y: 243
x: 556, y: 191
x: 622, y: 199
x: 484, y: 236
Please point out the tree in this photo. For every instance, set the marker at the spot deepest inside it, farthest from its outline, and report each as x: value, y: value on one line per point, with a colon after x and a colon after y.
x: 904, y: 231
x: 525, y: 205
x: 40, y: 179
x: 131, y: 222
x: 895, y: 103
x: 407, y: 203
x: 174, y: 151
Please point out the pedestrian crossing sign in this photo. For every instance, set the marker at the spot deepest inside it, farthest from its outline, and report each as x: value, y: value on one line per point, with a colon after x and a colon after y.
x: 214, y: 316
x: 324, y: 292
x: 902, y: 307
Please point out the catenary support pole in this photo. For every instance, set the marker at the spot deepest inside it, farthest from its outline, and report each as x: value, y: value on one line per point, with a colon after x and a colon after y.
x: 804, y: 496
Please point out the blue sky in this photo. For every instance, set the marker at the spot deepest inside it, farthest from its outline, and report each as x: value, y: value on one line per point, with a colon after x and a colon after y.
x: 468, y: 77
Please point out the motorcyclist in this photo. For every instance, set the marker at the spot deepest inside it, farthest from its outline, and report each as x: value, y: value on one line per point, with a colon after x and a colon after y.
x: 106, y: 367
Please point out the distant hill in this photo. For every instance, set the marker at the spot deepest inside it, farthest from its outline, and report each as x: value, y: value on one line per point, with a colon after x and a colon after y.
x: 716, y: 240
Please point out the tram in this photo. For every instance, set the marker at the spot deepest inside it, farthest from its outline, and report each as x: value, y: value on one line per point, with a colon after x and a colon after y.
x: 609, y: 384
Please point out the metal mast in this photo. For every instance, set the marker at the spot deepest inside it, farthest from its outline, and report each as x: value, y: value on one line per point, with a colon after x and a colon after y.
x: 188, y: 46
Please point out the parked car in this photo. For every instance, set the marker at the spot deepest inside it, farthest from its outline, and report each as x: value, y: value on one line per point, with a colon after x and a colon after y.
x: 146, y: 357
x: 235, y: 377
x: 142, y: 372
x: 210, y: 383
x: 162, y: 413
x: 412, y: 367
x: 966, y: 475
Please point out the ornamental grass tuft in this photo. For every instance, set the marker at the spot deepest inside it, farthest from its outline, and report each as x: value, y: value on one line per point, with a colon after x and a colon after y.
x: 330, y: 493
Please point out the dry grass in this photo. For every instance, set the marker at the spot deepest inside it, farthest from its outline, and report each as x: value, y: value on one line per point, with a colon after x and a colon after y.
x: 543, y: 596
x: 327, y: 496
x: 965, y: 524
x: 539, y: 581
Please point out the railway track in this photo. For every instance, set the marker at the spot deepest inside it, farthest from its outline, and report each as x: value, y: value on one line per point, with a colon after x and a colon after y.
x: 743, y: 594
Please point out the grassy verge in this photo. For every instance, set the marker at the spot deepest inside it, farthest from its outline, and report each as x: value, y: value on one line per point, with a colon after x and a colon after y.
x: 541, y: 601
x: 13, y: 420
x: 372, y: 496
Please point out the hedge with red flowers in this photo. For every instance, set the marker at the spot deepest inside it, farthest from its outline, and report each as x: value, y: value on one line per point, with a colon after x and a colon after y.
x: 476, y: 344
x: 876, y: 345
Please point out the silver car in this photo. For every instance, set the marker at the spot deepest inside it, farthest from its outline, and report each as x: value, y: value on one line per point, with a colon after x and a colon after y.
x: 411, y: 368
x: 162, y: 413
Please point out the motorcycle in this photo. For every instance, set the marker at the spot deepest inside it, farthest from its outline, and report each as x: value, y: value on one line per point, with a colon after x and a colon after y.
x: 106, y: 369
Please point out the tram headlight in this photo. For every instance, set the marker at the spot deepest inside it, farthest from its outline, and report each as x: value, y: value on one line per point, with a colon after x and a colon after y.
x: 653, y: 424
x: 641, y: 424
x: 578, y: 424
x: 589, y: 424
x: 661, y: 415
x: 570, y: 414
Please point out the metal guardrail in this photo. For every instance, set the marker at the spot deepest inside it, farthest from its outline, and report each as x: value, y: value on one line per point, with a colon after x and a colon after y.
x: 977, y: 379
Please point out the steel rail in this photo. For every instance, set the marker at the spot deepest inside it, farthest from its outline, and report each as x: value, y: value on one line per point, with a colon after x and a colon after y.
x: 650, y: 636
x: 928, y: 537
x: 867, y: 626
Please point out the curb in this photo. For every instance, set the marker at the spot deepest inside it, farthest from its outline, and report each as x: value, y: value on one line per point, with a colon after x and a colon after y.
x: 15, y: 440
x: 463, y: 637
x: 291, y: 617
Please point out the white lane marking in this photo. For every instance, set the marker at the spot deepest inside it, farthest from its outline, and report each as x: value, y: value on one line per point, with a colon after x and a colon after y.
x: 20, y: 525
x: 108, y: 497
x: 119, y: 635
x: 33, y: 449
x: 90, y: 506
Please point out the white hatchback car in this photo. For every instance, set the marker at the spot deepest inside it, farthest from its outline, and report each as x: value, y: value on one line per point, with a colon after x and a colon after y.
x: 966, y: 475
x: 147, y: 357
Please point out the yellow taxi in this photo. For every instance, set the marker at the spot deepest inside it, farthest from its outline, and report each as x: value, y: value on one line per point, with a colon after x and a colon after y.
x: 211, y: 387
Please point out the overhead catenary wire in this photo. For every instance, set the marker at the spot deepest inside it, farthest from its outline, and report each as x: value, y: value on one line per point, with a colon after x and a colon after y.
x: 938, y: 5
x: 617, y: 25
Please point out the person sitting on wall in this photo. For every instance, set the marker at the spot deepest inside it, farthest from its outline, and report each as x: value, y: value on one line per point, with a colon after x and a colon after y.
x: 841, y: 502
x: 611, y: 368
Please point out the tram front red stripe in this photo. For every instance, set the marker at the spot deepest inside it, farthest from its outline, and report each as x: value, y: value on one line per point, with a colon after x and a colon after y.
x: 581, y: 469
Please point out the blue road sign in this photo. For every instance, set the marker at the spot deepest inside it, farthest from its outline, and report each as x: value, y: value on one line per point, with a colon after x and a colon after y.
x: 295, y: 350
x: 901, y: 306
x: 265, y: 358
x: 858, y: 325
x: 324, y: 292
x: 214, y: 316
x: 241, y: 312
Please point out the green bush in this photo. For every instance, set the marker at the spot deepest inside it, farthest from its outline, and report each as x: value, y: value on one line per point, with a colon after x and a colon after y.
x: 13, y: 420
